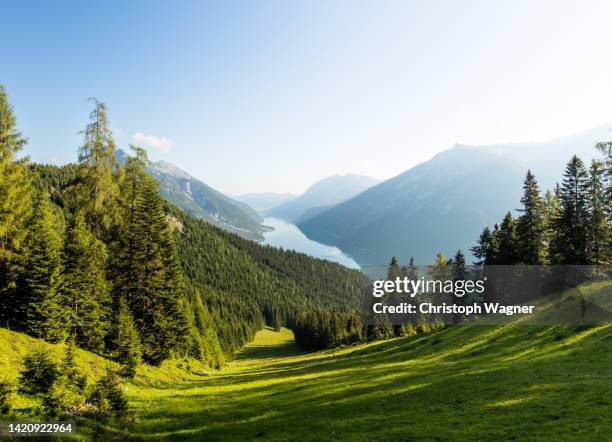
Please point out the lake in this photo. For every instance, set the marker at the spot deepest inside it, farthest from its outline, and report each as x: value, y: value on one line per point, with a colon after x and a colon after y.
x: 288, y: 236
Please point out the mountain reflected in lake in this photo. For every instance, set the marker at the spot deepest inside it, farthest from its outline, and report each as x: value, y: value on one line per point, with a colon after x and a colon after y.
x: 288, y: 236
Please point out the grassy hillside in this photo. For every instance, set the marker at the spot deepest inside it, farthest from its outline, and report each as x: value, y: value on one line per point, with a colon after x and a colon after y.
x: 510, y: 382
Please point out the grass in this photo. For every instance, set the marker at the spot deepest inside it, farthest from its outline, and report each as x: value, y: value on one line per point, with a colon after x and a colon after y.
x: 509, y: 382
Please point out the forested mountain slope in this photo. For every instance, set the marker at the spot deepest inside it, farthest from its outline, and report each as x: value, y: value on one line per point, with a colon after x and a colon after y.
x: 202, y: 201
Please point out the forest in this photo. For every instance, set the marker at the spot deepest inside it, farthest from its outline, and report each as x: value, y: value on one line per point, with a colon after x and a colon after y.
x: 90, y: 253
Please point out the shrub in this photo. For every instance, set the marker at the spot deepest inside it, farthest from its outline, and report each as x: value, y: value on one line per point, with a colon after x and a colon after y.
x: 70, y: 369
x: 63, y: 398
x: 6, y: 396
x: 408, y: 330
x: 423, y: 327
x: 39, y: 373
x: 107, y: 397
x: 438, y: 324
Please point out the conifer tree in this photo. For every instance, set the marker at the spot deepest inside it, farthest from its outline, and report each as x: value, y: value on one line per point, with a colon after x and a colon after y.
x: 46, y: 311
x: 598, y: 226
x: 506, y: 238
x: 153, y: 286
x: 606, y: 174
x: 87, y: 289
x: 484, y: 249
x: 15, y: 208
x: 531, y: 225
x: 98, y: 165
x: 571, y: 223
x: 126, y: 341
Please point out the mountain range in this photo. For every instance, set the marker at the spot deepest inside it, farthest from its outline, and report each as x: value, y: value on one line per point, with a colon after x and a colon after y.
x: 265, y: 201
x: 443, y: 204
x: 202, y: 201
x: 321, y: 196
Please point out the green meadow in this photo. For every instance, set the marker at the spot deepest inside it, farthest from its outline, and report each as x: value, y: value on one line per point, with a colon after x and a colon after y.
x: 468, y: 382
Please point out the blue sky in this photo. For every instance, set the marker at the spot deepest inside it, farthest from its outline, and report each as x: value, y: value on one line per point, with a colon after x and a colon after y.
x: 254, y: 96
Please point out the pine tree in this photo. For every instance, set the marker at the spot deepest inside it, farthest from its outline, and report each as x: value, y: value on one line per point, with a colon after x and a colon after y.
x: 87, y: 289
x: 571, y: 223
x: 598, y: 226
x: 126, y: 341
x: 98, y: 164
x: 531, y: 225
x: 46, y: 311
x: 15, y: 208
x: 506, y: 238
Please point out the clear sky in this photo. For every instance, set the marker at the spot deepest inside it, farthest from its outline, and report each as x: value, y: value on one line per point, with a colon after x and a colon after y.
x: 254, y: 96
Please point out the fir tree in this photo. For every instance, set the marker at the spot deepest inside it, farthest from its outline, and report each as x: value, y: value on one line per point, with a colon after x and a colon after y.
x: 126, y: 341
x: 598, y: 226
x: 484, y: 250
x: 87, y: 289
x: 531, y: 225
x: 154, y: 285
x: 47, y: 314
x: 506, y: 238
x: 15, y: 209
x: 571, y: 223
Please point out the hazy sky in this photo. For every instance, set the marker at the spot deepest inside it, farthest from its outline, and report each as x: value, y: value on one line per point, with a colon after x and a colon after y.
x: 272, y: 95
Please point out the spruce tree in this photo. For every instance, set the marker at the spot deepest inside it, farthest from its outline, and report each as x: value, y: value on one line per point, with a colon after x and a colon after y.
x: 531, y: 225
x: 153, y: 285
x: 598, y: 226
x: 87, y: 289
x: 506, y: 238
x: 571, y: 223
x: 126, y: 341
x: 46, y: 310
x: 484, y: 248
x: 15, y: 208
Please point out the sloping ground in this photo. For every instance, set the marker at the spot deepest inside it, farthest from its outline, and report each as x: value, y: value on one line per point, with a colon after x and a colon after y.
x: 510, y: 382
x: 463, y: 383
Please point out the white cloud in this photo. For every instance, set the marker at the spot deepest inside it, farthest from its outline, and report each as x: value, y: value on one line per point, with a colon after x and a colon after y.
x: 162, y: 144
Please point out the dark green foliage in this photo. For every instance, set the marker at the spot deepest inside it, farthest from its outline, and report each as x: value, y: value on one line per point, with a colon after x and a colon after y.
x: 485, y: 250
x: 46, y: 314
x: 39, y: 373
x: 320, y: 329
x: 531, y: 225
x: 15, y: 209
x: 86, y: 287
x: 599, y: 226
x: 571, y: 223
x: 507, y: 242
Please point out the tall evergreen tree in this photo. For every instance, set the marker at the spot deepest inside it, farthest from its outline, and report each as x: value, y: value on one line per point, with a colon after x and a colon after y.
x: 15, y: 207
x: 484, y: 250
x: 98, y: 165
x: 531, y: 225
x: 598, y: 226
x: 126, y: 341
x: 153, y: 287
x: 87, y: 289
x: 46, y: 311
x: 571, y: 223
x: 606, y: 174
x: 506, y: 238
